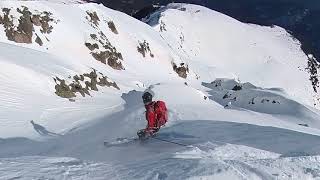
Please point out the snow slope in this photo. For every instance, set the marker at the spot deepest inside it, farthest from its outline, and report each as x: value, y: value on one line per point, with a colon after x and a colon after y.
x: 212, y: 42
x: 236, y: 110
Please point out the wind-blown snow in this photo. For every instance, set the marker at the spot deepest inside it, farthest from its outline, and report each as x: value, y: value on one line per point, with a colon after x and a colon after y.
x: 244, y: 111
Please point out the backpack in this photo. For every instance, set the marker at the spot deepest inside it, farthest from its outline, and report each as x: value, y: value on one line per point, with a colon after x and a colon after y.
x: 161, y: 112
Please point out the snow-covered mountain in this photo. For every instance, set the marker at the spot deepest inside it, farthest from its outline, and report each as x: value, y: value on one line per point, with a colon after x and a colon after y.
x: 300, y: 18
x: 242, y: 98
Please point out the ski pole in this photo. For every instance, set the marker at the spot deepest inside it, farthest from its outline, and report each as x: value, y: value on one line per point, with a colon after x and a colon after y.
x: 180, y: 144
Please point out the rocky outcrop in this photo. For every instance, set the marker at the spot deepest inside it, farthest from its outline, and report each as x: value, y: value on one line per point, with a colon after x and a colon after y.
x: 38, y: 40
x: 162, y: 26
x: 103, y: 51
x: 112, y: 27
x: 93, y: 18
x: 144, y: 48
x: 312, y: 68
x: 100, y: 47
x: 62, y: 89
x: 227, y: 92
x: 82, y: 84
x: 181, y: 70
x: 24, y: 31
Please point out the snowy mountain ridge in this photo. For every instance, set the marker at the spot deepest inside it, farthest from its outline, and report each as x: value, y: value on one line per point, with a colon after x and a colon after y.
x: 73, y: 75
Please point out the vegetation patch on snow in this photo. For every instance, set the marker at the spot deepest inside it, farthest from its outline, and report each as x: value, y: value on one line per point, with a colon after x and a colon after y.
x: 24, y: 31
x: 82, y: 84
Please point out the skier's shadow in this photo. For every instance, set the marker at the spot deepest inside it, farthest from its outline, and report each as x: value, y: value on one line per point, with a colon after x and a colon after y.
x: 42, y: 130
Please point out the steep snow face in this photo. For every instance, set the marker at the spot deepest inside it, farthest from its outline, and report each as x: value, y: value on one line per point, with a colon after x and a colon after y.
x: 71, y: 63
x: 210, y: 43
x: 54, y: 54
x: 73, y: 75
x: 84, y: 48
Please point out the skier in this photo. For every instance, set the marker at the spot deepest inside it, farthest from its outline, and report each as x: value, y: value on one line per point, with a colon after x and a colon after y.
x: 156, y: 116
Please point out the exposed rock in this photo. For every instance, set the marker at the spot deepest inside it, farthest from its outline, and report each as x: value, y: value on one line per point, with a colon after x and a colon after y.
x: 93, y: 18
x: 144, y: 48
x: 62, y: 89
x: 38, y: 40
x: 182, y: 70
x: 252, y: 101
x: 18, y: 37
x: 101, y: 56
x: 6, y: 10
x: 25, y: 26
x: 77, y: 78
x: 35, y: 19
x: 72, y: 100
x: 92, y: 46
x: 226, y: 96
x: 217, y: 83
x: 162, y: 26
x: 76, y: 87
x: 305, y: 125
x: 7, y: 21
x: 275, y: 102
x: 107, y: 54
x: 114, y: 63
x: 106, y: 57
x: 45, y: 19
x: 69, y: 90
x: 103, y: 36
x: 23, y: 32
x: 237, y: 88
x: 112, y: 27
x: 94, y: 36
x: 93, y: 83
x: 104, y: 82
x: 313, y: 67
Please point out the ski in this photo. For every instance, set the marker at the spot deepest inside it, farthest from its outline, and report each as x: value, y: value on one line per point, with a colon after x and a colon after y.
x: 120, y: 142
x: 126, y: 141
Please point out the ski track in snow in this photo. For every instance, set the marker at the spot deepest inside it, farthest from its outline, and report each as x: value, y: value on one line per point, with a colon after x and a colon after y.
x: 249, y: 133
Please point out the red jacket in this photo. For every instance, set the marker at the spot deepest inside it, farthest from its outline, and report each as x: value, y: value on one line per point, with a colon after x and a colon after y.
x: 156, y: 115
